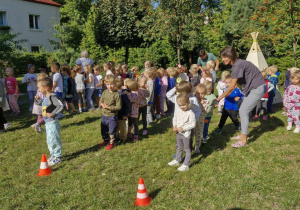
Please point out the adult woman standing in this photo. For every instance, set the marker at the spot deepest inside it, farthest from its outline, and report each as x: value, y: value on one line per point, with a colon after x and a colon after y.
x: 253, y: 85
x: 84, y: 60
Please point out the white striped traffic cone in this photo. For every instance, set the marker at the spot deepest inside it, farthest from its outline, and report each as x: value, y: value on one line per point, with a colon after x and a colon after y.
x: 142, y: 197
x: 44, y: 168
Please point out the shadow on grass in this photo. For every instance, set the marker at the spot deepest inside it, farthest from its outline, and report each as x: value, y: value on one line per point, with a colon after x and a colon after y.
x: 24, y: 120
x: 153, y: 194
x: 219, y: 142
x: 84, y: 151
x: 82, y: 122
x: 160, y: 127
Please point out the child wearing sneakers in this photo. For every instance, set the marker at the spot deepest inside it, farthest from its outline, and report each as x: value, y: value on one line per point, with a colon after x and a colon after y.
x: 123, y: 113
x: 80, y: 88
x: 68, y: 89
x: 220, y: 88
x: 231, y: 107
x: 262, y: 104
x: 212, y: 103
x: 111, y: 104
x: 173, y: 74
x: 143, y: 93
x: 11, y: 85
x: 150, y: 74
x: 30, y: 80
x: 163, y: 79
x: 183, y: 122
x: 98, y: 84
x: 51, y: 106
x: 291, y: 102
x: 133, y: 121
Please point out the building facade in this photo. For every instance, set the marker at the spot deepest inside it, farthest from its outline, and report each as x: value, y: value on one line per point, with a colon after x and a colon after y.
x: 33, y: 19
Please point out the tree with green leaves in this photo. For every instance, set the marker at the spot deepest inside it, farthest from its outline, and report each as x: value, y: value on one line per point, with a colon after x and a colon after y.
x: 181, y: 20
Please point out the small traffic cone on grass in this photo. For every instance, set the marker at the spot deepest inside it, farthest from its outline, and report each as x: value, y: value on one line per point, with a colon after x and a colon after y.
x: 44, y: 168
x: 142, y: 197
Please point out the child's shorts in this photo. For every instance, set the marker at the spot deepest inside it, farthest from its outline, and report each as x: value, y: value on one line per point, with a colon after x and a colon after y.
x: 69, y: 100
x: 98, y: 93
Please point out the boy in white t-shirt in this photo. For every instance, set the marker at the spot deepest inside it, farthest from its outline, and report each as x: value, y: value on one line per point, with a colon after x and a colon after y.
x: 30, y: 79
x: 57, y: 79
x: 98, y: 84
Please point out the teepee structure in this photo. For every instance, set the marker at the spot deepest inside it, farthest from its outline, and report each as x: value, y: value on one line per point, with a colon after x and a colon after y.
x: 255, y: 55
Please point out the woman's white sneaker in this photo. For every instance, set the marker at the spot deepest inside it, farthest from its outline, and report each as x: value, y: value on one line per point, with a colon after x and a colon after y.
x: 297, y: 130
x: 183, y: 168
x: 174, y: 163
x: 289, y: 128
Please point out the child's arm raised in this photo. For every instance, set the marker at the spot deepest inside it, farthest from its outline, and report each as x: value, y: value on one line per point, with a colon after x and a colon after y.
x: 171, y: 95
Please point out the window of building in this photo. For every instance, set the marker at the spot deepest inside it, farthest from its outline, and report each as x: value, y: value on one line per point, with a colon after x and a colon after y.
x: 35, y: 49
x: 3, y: 21
x: 34, y: 22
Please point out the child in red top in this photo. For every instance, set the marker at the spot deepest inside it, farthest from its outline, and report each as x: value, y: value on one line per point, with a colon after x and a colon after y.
x: 12, y: 88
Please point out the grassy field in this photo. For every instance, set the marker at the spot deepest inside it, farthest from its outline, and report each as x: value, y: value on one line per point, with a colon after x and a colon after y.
x: 263, y: 175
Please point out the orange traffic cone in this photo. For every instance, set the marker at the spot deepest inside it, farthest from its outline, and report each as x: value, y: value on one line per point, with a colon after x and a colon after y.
x: 44, y: 168
x: 142, y: 198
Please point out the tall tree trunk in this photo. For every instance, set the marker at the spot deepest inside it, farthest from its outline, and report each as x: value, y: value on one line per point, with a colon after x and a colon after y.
x: 178, y: 55
x: 126, y: 54
x: 295, y: 52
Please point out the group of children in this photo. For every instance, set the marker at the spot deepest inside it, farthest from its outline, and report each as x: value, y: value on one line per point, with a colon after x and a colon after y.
x: 124, y: 95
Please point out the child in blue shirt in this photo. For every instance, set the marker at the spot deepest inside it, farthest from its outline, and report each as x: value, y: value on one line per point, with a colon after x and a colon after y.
x: 173, y: 74
x: 231, y: 107
x: 272, y: 70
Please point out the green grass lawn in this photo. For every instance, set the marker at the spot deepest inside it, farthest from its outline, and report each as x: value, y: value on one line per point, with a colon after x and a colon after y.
x: 263, y: 175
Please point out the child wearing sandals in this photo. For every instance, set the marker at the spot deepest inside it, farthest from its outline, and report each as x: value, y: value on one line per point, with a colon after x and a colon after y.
x: 183, y: 122
x: 291, y: 102
x: 133, y: 121
x: 200, y: 92
x: 220, y: 88
x: 37, y: 108
x: 143, y: 93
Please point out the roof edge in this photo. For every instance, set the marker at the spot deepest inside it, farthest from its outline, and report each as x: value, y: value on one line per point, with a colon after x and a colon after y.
x: 46, y: 2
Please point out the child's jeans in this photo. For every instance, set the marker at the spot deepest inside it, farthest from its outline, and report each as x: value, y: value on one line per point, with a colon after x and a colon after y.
x: 53, y: 138
x: 162, y: 105
x: 89, y: 94
x: 143, y: 111
x: 270, y: 103
x: 31, y: 95
x: 108, y: 127
x: 206, y: 126
x: 183, y: 142
x: 13, y: 102
x: 149, y: 113
x: 121, y: 130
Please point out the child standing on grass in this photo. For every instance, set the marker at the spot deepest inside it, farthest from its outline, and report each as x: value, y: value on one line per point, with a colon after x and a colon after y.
x: 163, y: 79
x: 133, y: 120
x: 98, y: 84
x: 220, y: 88
x: 149, y: 73
x: 122, y: 114
x: 111, y: 104
x: 51, y: 106
x: 57, y: 80
x: 143, y: 94
x: 212, y: 103
x: 274, y: 80
x: 30, y: 79
x: 262, y: 104
x: 183, y: 122
x: 194, y: 75
x: 173, y: 73
x: 37, y: 108
x: 12, y: 88
x: 200, y: 92
x: 291, y: 102
x: 80, y: 88
x: 157, y: 93
x: 231, y: 107
x: 68, y: 89
x: 2, y: 105
x: 89, y: 87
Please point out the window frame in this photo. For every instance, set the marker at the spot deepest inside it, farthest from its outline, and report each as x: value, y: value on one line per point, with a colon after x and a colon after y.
x: 38, y: 46
x: 36, y: 18
x: 5, y: 19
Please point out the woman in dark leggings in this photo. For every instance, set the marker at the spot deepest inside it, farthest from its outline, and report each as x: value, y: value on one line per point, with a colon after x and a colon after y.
x: 253, y: 85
